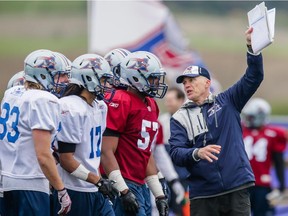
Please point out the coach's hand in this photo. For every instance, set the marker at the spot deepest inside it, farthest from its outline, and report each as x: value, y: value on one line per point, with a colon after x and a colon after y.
x: 105, y: 187
x: 130, y: 203
x: 64, y: 201
x: 162, y: 206
x: 209, y: 152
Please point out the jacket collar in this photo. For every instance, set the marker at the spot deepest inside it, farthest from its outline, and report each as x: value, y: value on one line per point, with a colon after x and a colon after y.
x: 191, y: 104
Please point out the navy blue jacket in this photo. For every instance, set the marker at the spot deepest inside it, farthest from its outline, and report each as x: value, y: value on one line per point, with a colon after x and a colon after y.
x: 217, y: 121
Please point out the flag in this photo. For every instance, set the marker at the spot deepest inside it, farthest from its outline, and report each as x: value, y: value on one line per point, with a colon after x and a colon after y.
x: 140, y: 25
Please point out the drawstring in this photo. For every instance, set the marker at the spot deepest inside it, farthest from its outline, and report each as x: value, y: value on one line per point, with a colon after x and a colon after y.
x: 205, y: 125
x: 214, y: 109
x: 191, y: 125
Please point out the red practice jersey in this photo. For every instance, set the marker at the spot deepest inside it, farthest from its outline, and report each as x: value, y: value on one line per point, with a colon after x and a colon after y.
x: 259, y: 145
x: 138, y: 127
x: 159, y: 138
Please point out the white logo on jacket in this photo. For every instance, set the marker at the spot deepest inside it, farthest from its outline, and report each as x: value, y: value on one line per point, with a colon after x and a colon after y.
x: 215, y: 108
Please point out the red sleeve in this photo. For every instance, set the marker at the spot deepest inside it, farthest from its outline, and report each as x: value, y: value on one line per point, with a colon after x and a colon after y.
x: 118, y: 110
x: 160, y: 137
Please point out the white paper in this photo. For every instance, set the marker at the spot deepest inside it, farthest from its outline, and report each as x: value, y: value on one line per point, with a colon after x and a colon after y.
x: 271, y: 21
x: 263, y: 23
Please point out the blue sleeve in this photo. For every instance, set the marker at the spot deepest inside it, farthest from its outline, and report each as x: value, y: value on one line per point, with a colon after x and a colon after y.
x: 243, y: 90
x: 180, y: 147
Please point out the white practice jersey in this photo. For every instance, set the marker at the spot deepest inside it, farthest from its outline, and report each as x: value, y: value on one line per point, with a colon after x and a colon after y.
x: 21, y: 112
x: 164, y: 119
x: 83, y: 125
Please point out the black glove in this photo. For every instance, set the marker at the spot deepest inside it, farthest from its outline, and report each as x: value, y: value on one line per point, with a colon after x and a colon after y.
x: 130, y: 203
x: 165, y: 187
x: 105, y: 186
x: 162, y: 206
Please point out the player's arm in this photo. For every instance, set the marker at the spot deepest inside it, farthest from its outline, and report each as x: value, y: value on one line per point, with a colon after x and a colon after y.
x: 279, y: 146
x: 109, y: 145
x: 41, y: 139
x: 152, y: 178
x: 279, y: 168
x: 78, y: 170
x: 155, y: 186
x: 110, y: 165
x: 71, y: 165
x: 108, y: 160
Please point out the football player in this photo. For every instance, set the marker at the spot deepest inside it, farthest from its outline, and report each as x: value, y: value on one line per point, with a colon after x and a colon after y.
x: 264, y: 145
x: 30, y: 120
x: 162, y: 159
x: 132, y: 128
x: 16, y: 80
x: 83, y: 121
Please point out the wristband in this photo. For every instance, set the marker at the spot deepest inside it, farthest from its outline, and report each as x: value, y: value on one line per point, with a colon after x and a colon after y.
x: 154, y: 185
x: 195, y: 155
x: 250, y: 48
x: 119, y: 184
x: 81, y: 172
x: 160, y: 175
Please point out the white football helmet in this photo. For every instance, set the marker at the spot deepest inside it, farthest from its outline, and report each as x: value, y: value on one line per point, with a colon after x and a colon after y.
x: 143, y: 70
x: 114, y: 58
x: 92, y: 72
x: 41, y: 65
x: 16, y: 80
x: 256, y: 113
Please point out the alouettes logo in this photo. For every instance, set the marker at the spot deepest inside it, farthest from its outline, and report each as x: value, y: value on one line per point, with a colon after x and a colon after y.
x: 215, y: 108
x: 91, y: 63
x: 139, y: 64
x: 109, y: 60
x: 45, y: 62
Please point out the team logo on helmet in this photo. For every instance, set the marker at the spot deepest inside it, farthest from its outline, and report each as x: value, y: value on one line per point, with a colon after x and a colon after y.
x: 20, y: 81
x: 89, y: 63
x: 139, y: 64
x: 109, y: 60
x: 45, y: 62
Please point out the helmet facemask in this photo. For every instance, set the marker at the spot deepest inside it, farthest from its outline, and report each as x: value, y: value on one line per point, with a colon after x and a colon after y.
x: 154, y: 86
x: 93, y: 73
x: 61, y: 80
x: 157, y: 87
x: 61, y: 75
x: 104, y: 85
x: 107, y: 82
